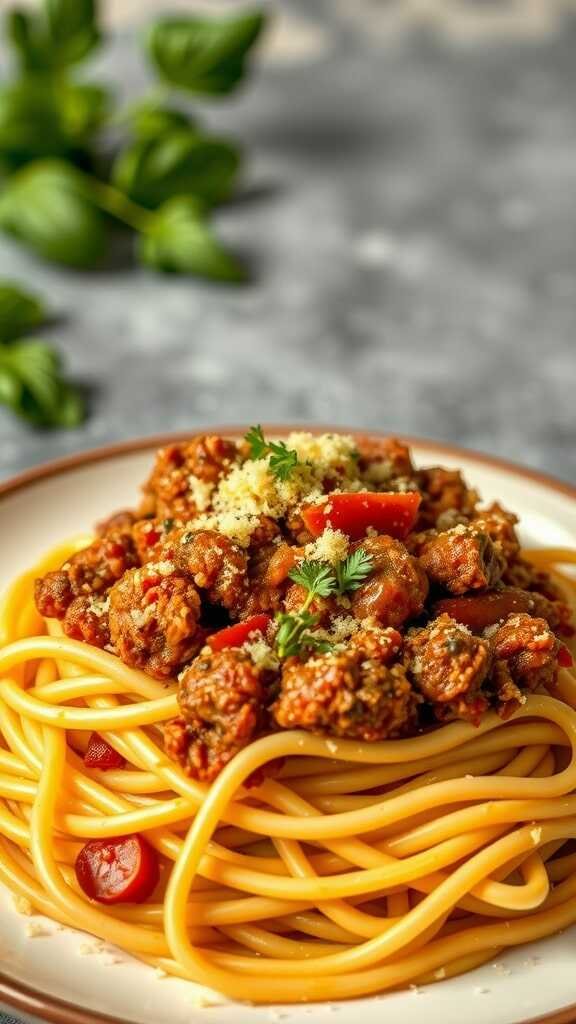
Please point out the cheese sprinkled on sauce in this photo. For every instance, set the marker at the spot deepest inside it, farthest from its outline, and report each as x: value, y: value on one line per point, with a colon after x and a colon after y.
x: 201, y: 492
x: 331, y: 546
x: 251, y: 490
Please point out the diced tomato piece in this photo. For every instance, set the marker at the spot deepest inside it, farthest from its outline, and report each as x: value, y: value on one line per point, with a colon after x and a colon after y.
x: 390, y: 513
x: 565, y: 659
x: 238, y: 634
x: 114, y: 550
x: 149, y: 582
x: 100, y: 754
x: 123, y: 869
x: 484, y: 609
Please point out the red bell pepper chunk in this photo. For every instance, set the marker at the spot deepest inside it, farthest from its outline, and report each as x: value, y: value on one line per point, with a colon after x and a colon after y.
x: 239, y: 633
x: 123, y: 869
x: 390, y: 513
x: 483, y: 610
x: 101, y: 755
x: 565, y: 659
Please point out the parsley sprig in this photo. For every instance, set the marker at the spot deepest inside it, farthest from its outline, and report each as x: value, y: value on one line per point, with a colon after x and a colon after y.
x: 282, y: 459
x: 351, y: 573
x: 295, y: 634
x: 323, y: 579
x: 295, y: 631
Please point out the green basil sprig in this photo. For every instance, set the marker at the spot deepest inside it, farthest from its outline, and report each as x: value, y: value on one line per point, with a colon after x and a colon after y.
x: 62, y: 193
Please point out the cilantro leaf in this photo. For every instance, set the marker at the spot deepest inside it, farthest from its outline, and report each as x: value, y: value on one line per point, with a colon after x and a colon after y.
x: 31, y: 383
x: 316, y: 577
x: 351, y: 573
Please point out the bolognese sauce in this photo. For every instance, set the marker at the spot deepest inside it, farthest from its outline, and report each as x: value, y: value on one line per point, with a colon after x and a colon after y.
x: 356, y: 595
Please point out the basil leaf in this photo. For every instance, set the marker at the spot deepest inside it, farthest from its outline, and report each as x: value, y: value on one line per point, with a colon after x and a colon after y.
x: 150, y: 120
x: 151, y: 171
x: 10, y: 387
x: 63, y: 32
x: 21, y: 29
x: 41, y: 119
x: 32, y: 385
x: 204, y: 55
x: 30, y: 124
x: 46, y: 206
x: 72, y: 29
x: 20, y: 312
x: 84, y: 109
x: 179, y: 239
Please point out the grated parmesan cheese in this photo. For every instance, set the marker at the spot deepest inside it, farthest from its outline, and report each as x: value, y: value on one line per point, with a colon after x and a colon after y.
x: 99, y: 607
x: 23, y: 906
x: 205, y: 999
x: 261, y: 653
x: 341, y: 628
x: 251, y: 490
x: 332, y: 451
x: 35, y: 930
x: 201, y: 492
x: 331, y: 546
x: 90, y: 948
x: 379, y: 472
x: 142, y: 616
x: 234, y: 525
x: 164, y: 568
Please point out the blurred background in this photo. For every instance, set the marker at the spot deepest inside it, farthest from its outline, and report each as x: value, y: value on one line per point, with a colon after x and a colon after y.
x: 406, y: 214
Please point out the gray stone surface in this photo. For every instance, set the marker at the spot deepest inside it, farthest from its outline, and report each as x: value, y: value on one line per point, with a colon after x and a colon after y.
x: 411, y: 223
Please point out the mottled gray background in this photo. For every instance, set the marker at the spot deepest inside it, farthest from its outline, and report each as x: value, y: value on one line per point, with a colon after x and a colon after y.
x: 410, y: 218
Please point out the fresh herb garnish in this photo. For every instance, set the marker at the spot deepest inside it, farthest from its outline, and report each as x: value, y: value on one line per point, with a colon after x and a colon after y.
x: 282, y: 459
x: 351, y: 573
x: 295, y: 635
x: 324, y: 579
x: 295, y: 631
x: 63, y: 189
x: 316, y: 577
x: 31, y: 381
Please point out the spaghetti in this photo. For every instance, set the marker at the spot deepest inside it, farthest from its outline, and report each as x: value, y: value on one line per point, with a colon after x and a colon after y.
x: 358, y: 867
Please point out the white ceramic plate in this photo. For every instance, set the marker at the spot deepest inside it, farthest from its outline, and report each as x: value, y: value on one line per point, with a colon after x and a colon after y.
x: 51, y: 976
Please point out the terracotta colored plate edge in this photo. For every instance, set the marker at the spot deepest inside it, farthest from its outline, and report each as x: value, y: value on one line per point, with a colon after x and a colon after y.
x: 57, y: 1011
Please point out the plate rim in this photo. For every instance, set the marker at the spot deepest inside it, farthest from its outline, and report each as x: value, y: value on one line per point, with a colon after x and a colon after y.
x: 27, y: 999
